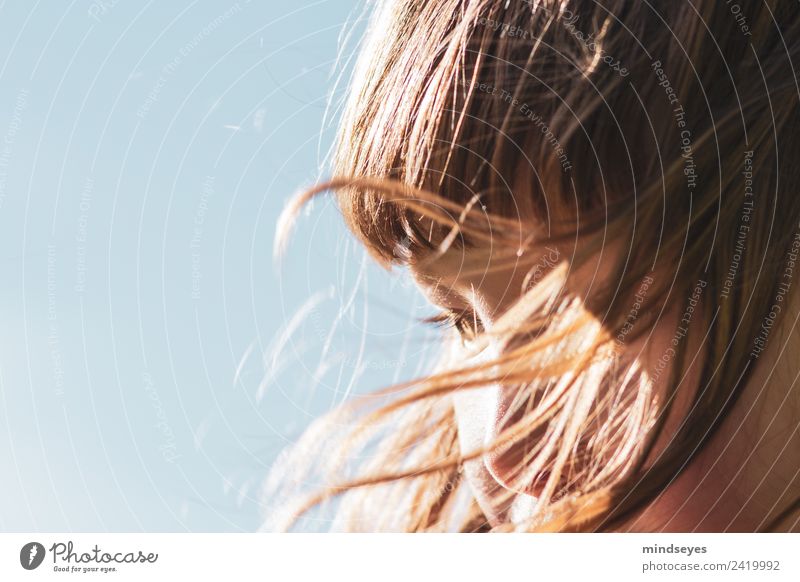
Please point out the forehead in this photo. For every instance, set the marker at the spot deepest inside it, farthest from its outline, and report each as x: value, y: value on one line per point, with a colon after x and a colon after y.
x: 462, y: 276
x: 456, y: 269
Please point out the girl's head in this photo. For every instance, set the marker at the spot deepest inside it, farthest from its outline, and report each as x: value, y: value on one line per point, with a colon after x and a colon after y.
x: 601, y: 197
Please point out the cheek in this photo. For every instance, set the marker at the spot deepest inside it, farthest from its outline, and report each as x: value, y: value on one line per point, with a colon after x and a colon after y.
x: 476, y: 408
x: 474, y: 415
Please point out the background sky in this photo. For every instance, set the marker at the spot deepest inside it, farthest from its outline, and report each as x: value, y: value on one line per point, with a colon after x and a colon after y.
x: 153, y: 357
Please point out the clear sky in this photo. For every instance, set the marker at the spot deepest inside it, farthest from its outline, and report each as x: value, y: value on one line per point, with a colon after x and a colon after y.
x: 153, y: 358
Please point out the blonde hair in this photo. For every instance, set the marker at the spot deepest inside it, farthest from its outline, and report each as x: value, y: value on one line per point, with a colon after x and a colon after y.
x: 527, y: 123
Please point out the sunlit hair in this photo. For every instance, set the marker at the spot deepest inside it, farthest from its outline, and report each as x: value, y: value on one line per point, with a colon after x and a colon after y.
x: 639, y: 119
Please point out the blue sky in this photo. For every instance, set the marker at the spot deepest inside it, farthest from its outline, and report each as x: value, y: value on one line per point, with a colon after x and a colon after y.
x: 154, y: 358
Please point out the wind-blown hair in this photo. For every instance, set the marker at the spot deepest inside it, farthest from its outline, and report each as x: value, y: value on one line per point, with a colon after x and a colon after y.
x: 660, y: 134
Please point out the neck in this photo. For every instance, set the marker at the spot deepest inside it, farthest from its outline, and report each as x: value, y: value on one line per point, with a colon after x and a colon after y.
x: 750, y: 469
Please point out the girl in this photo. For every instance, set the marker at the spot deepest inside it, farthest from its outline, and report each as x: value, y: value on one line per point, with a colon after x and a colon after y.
x: 601, y: 196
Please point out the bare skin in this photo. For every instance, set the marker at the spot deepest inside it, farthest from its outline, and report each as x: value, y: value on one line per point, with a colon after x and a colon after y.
x: 747, y: 473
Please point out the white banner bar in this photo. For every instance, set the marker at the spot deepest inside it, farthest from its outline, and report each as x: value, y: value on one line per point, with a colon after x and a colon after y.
x: 406, y: 558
